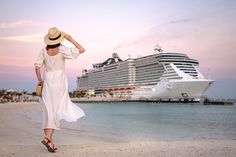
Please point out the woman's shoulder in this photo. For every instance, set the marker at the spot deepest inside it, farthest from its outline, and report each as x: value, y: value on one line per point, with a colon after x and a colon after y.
x: 62, y: 47
x: 43, y: 50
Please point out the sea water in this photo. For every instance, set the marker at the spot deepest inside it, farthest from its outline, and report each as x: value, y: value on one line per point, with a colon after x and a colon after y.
x: 152, y: 121
x: 155, y: 121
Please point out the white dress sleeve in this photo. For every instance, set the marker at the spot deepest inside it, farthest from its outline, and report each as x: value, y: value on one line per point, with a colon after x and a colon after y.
x: 39, y: 59
x: 69, y: 53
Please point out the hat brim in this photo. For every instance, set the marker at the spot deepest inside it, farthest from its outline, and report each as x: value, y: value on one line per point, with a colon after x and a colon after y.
x: 48, y: 41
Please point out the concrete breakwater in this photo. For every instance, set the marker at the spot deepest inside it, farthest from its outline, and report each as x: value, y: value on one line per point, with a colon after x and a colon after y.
x: 208, y: 101
x: 96, y: 99
x: 205, y: 101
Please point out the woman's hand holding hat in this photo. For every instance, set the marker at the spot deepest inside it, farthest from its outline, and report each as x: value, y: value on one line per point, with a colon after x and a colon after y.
x: 77, y: 45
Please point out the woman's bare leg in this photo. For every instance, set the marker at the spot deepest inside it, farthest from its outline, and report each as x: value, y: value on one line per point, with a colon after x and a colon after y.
x: 48, y: 133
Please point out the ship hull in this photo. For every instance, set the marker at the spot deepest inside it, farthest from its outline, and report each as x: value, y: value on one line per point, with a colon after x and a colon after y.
x: 191, y: 89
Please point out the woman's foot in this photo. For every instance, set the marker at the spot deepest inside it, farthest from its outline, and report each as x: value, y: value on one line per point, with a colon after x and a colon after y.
x: 51, y: 147
x: 45, y: 141
x: 48, y: 143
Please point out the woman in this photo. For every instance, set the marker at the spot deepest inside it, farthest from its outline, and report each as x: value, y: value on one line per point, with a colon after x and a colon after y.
x: 55, y: 98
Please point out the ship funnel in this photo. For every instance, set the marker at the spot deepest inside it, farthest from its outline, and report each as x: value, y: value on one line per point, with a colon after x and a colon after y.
x: 115, y: 55
x: 116, y: 58
x: 158, y: 49
x: 84, y: 71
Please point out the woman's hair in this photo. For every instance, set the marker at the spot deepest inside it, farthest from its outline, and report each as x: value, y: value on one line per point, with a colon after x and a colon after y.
x: 52, y: 46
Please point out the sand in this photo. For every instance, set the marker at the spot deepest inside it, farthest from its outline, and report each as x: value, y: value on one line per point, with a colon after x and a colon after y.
x: 21, y: 136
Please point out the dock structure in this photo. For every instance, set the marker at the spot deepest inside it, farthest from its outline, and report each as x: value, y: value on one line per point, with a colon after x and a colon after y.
x: 204, y: 101
x: 94, y: 100
x: 208, y: 101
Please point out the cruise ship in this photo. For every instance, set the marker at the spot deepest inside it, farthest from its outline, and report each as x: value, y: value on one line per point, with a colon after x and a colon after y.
x: 161, y: 76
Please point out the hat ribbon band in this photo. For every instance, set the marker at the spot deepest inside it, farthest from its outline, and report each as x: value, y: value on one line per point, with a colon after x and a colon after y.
x: 55, y: 38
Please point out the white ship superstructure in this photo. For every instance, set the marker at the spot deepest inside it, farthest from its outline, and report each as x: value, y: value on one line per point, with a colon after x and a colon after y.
x: 160, y: 76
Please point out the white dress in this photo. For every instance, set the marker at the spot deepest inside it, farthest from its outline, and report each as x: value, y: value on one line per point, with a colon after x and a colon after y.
x: 55, y: 96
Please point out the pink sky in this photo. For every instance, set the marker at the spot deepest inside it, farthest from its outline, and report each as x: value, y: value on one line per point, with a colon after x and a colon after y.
x: 204, y: 30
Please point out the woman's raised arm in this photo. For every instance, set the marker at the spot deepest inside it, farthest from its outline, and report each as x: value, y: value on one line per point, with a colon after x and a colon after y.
x: 77, y: 45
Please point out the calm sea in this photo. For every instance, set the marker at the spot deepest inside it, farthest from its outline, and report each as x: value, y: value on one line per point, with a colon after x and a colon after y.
x: 153, y: 121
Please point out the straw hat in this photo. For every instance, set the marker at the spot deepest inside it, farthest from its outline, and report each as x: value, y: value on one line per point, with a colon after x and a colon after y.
x: 54, y: 36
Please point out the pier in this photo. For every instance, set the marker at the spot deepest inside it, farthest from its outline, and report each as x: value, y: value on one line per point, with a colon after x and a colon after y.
x: 95, y: 100
x: 208, y: 101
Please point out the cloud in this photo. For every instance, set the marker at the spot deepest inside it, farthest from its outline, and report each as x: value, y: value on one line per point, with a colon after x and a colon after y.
x: 179, y: 21
x: 160, y: 32
x: 128, y: 43
x: 172, y: 23
x: 24, y: 38
x: 19, y: 23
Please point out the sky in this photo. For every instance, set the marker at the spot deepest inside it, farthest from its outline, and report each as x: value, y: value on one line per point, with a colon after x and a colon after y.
x: 202, y: 29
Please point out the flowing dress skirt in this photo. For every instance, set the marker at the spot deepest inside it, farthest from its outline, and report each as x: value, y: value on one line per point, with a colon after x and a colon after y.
x: 56, y: 100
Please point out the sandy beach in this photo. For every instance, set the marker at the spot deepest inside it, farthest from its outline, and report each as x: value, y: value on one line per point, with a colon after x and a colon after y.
x: 21, y: 136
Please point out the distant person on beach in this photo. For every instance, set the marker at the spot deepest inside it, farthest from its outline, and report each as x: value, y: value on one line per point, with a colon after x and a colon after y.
x: 55, y: 98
